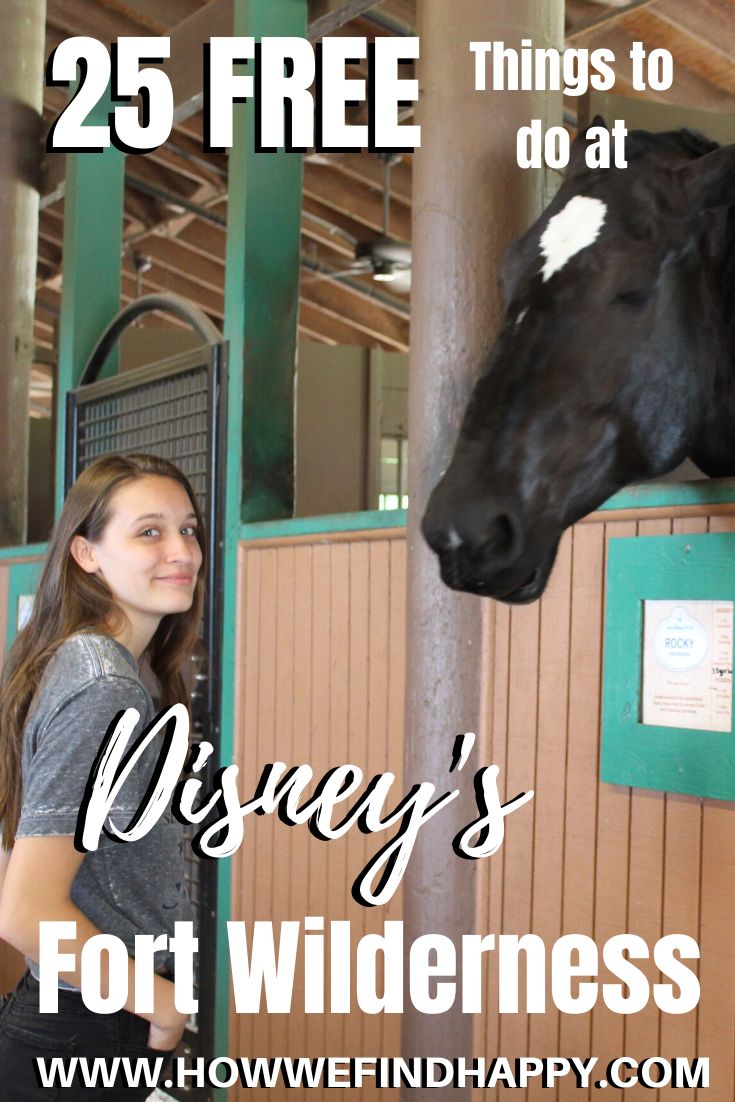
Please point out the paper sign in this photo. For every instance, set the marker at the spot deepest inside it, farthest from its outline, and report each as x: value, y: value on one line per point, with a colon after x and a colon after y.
x: 687, y: 664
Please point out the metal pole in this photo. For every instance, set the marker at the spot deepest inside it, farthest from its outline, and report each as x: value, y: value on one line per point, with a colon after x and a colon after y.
x: 21, y: 123
x: 470, y: 199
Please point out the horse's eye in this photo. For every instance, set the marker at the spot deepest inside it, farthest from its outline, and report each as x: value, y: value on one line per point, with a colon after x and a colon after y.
x: 633, y: 298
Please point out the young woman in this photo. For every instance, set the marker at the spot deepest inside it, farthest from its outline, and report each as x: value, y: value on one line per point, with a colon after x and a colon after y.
x: 122, y: 580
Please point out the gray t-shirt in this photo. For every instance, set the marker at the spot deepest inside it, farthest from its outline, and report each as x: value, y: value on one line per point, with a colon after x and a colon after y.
x: 123, y: 888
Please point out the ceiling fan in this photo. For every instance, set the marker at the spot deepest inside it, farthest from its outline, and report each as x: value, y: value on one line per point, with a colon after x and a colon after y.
x: 387, y: 258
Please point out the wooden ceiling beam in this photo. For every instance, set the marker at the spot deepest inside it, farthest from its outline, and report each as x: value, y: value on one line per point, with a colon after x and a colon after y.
x: 348, y: 305
x: 54, y: 216
x: 160, y: 175
x: 49, y: 252
x: 202, y: 208
x: 611, y: 15
x: 369, y: 170
x: 49, y: 232
x: 142, y: 210
x: 305, y: 334
x: 709, y: 56
x: 328, y: 16
x: 217, y: 18
x: 172, y: 212
x: 171, y: 255
x: 205, y: 238
x: 710, y: 20
x: 161, y: 280
x: 44, y: 326
x: 44, y: 270
x: 371, y: 332
x: 193, y: 170
x: 196, y: 239
x: 364, y: 292
x: 79, y: 17
x: 357, y: 201
x: 349, y: 227
x: 48, y: 302
x: 400, y: 12
x: 338, y: 329
x: 159, y: 17
x: 334, y: 243
x: 43, y: 332
x: 688, y: 89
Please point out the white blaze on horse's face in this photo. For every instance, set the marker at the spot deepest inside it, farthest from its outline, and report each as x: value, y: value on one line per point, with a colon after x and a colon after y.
x: 454, y: 539
x: 573, y: 228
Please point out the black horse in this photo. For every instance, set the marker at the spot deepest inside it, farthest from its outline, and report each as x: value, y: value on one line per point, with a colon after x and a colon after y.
x: 615, y: 361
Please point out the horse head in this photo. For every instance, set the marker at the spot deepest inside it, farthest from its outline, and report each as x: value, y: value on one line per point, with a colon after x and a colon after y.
x: 613, y: 364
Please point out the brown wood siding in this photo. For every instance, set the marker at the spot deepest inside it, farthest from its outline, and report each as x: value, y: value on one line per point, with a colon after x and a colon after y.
x: 593, y: 858
x: 320, y: 680
x: 321, y: 673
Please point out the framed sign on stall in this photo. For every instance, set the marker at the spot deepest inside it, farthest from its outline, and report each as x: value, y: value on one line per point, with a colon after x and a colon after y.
x: 667, y: 709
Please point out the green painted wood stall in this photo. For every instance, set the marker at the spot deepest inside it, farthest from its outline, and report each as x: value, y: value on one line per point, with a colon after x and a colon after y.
x: 319, y: 677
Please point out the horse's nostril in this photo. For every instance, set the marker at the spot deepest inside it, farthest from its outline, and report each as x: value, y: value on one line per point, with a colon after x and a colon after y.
x: 500, y: 538
x: 478, y: 532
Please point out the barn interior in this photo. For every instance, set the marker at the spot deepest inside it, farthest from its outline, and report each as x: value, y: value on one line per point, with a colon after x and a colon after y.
x: 335, y: 643
x: 175, y: 216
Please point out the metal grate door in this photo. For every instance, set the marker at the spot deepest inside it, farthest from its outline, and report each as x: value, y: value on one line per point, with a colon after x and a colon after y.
x: 174, y: 409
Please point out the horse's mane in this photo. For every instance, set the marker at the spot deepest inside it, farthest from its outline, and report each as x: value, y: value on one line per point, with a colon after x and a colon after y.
x: 688, y: 142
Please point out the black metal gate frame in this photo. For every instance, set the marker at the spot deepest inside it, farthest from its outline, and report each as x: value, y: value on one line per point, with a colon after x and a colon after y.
x: 115, y: 435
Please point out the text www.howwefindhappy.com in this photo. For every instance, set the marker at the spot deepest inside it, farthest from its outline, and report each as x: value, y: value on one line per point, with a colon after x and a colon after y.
x: 331, y: 1071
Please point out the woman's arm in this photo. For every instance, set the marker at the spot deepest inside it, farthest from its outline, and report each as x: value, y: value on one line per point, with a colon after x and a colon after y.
x: 37, y: 887
x: 4, y: 858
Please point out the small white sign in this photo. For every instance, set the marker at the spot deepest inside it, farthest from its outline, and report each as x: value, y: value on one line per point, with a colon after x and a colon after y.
x: 25, y: 608
x: 687, y: 664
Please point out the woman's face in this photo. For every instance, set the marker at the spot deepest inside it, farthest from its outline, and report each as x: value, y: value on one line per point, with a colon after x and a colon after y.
x: 148, y: 554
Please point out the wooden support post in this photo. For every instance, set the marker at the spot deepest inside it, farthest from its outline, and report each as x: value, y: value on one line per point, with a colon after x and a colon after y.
x: 21, y: 102
x: 470, y: 199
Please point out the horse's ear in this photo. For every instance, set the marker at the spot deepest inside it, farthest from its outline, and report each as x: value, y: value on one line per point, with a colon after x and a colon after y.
x: 578, y: 152
x: 710, y: 180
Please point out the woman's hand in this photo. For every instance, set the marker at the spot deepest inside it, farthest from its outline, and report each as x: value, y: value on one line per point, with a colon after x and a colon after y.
x: 37, y: 887
x: 165, y: 1036
x: 167, y: 1023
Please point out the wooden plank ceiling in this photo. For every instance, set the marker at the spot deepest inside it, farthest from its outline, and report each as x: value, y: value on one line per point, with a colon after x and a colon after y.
x: 176, y: 197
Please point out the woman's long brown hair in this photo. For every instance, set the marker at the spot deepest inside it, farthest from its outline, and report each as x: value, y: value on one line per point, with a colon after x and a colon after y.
x: 68, y: 599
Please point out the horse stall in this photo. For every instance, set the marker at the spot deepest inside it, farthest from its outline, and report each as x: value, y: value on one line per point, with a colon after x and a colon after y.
x: 321, y: 627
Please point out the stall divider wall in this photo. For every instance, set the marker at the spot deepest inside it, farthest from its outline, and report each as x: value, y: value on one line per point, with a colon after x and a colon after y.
x: 320, y: 680
x: 11, y: 962
x: 320, y: 676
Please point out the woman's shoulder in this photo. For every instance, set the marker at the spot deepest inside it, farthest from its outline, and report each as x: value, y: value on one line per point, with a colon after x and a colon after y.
x: 93, y: 656
x: 89, y: 665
